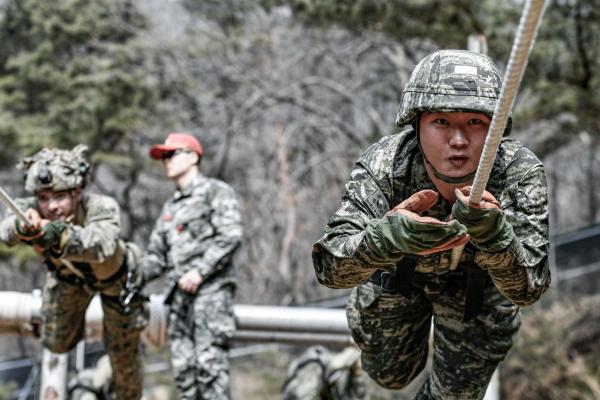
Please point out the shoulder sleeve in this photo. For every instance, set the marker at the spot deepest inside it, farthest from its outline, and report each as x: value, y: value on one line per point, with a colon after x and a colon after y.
x: 98, y: 237
x: 154, y: 261
x: 341, y: 257
x: 227, y: 222
x: 522, y: 271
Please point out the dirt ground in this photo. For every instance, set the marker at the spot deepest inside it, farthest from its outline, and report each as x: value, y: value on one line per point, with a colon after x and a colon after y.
x: 261, y: 376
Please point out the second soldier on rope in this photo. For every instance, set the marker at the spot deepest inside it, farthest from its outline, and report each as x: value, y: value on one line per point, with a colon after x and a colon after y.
x: 78, y: 237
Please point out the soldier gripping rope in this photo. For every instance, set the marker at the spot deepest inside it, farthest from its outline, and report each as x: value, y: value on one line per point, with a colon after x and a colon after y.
x: 406, y: 205
x: 192, y: 243
x: 77, y: 236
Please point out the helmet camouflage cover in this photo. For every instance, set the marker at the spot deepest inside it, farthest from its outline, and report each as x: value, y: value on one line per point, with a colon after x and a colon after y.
x: 56, y: 169
x: 451, y: 81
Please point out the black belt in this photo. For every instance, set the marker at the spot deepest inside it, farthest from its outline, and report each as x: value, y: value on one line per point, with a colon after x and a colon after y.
x: 401, y: 279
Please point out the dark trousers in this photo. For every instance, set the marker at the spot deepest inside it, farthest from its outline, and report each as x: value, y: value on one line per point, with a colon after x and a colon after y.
x: 393, y: 332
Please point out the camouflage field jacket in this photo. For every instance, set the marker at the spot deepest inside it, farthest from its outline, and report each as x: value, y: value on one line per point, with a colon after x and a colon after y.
x: 199, y: 227
x: 93, y: 238
x: 393, y: 169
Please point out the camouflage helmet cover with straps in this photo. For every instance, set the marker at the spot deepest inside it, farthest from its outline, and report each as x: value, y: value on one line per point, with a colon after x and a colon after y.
x: 451, y: 81
x: 56, y: 169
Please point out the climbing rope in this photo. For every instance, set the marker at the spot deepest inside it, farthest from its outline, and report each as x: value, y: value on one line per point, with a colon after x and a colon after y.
x: 519, y: 55
x: 155, y: 334
x: 524, y: 40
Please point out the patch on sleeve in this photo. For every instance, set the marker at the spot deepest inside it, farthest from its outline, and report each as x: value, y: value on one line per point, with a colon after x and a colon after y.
x: 377, y: 203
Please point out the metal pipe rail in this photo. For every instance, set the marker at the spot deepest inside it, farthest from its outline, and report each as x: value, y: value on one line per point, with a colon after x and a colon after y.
x: 260, y: 324
x: 19, y: 312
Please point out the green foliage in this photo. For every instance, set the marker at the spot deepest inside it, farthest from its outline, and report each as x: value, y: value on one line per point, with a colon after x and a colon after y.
x: 564, y: 68
x: 7, y: 389
x: 21, y: 254
x: 445, y: 23
x: 70, y: 72
x: 227, y: 13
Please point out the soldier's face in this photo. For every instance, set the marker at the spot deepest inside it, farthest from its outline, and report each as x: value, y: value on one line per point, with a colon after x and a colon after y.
x: 453, y: 141
x: 58, y: 206
x: 179, y: 162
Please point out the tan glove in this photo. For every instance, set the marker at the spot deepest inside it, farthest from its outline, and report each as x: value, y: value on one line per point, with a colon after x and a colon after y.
x: 485, y: 222
x: 404, y: 230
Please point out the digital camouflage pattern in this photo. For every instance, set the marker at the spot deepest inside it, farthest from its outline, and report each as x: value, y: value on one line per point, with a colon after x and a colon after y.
x: 199, y: 228
x: 101, y: 261
x: 318, y: 374
x: 393, y: 333
x: 56, y: 169
x: 389, y: 327
x: 199, y: 331
x: 451, y: 80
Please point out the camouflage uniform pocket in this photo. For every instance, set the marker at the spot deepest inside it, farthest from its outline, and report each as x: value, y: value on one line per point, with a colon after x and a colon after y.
x: 219, y: 318
x: 362, y: 313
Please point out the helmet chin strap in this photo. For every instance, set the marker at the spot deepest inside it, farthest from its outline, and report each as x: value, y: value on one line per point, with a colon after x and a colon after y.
x: 449, y: 179
x: 444, y: 178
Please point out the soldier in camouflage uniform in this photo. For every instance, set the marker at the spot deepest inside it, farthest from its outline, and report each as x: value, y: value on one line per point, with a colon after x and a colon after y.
x: 406, y: 204
x: 77, y: 234
x: 318, y: 374
x: 192, y: 243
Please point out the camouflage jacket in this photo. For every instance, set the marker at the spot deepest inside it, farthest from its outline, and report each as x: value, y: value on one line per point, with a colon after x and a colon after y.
x: 93, y: 244
x: 199, y: 227
x: 393, y: 169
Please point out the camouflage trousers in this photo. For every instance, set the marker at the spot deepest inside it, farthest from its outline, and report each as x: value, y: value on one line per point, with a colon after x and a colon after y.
x: 63, y: 315
x: 200, y: 327
x: 393, y: 333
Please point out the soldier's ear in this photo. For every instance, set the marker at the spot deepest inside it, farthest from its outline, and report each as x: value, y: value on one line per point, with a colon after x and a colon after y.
x: 76, y: 194
x: 197, y: 162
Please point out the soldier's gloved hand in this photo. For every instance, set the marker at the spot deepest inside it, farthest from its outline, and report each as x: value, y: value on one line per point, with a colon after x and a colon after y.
x: 27, y: 233
x: 404, y: 230
x: 485, y: 222
x: 51, y: 237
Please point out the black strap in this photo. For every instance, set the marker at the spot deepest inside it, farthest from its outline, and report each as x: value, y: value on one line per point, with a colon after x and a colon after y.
x: 405, y: 272
x: 400, y: 280
x: 89, y: 278
x: 476, y: 281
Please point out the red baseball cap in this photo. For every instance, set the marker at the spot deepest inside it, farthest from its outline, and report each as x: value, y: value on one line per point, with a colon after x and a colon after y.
x: 176, y: 141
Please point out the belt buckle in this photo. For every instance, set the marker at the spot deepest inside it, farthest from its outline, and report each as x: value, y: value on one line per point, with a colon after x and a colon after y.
x: 388, y: 281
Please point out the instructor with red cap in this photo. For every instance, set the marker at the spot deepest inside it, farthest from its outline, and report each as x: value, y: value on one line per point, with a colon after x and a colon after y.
x: 192, y: 243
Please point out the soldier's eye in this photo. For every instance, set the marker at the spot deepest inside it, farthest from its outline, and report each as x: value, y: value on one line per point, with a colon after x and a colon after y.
x: 475, y: 121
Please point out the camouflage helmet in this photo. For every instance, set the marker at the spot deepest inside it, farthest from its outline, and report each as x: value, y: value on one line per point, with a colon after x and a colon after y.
x: 56, y: 169
x: 450, y: 81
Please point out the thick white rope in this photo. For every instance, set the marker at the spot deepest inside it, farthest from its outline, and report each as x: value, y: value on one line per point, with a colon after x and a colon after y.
x: 10, y: 204
x: 155, y: 334
x: 519, y: 55
x: 524, y: 40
